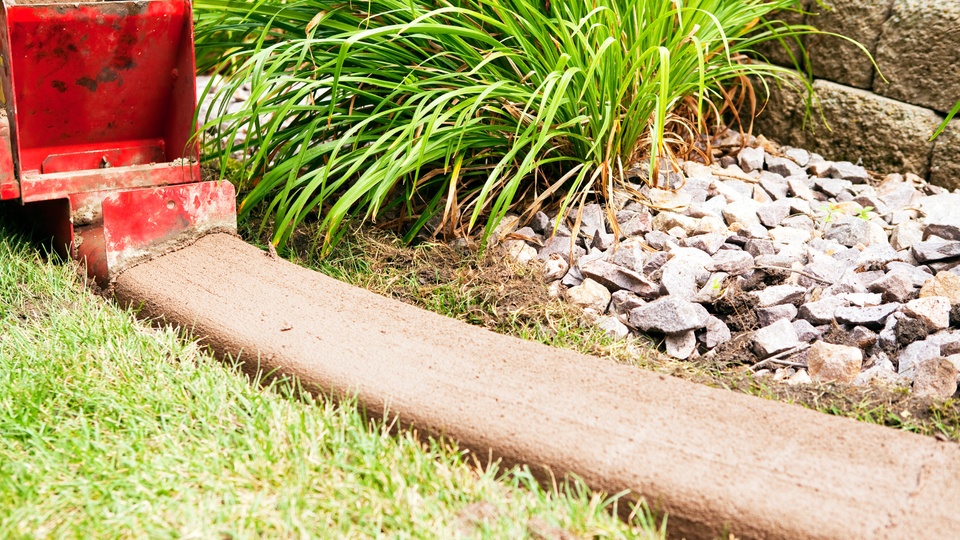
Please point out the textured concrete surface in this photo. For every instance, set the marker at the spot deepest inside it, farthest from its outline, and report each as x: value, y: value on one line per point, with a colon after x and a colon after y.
x: 710, y: 458
x: 889, y: 135
x: 919, y: 53
x: 837, y: 59
x: 945, y: 166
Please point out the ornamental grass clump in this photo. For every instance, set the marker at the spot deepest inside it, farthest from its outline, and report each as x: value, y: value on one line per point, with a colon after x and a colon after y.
x: 459, y: 110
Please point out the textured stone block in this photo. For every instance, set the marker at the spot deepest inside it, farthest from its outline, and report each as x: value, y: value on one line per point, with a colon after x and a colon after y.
x: 945, y: 165
x: 837, y: 59
x: 780, y: 102
x: 919, y: 53
x: 889, y: 135
x: 773, y: 51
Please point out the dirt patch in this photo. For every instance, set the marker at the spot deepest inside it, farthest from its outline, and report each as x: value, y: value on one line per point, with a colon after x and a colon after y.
x: 909, y: 330
x: 738, y: 310
x: 736, y: 351
x: 838, y: 336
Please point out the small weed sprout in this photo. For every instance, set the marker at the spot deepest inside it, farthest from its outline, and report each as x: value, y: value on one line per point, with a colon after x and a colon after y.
x: 862, y: 213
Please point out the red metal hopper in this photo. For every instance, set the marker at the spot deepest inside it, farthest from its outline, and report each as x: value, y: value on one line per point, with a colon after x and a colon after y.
x: 95, y: 131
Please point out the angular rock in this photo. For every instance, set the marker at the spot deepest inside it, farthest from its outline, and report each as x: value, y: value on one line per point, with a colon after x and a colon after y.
x: 933, y: 311
x: 832, y: 186
x: 731, y: 262
x: 519, y: 252
x: 615, y: 278
x: 913, y: 354
x: 540, y: 223
x: 678, y: 278
x: 834, y: 363
x: 772, y: 314
x: 669, y: 315
x: 935, y: 251
x: 589, y: 294
x: 876, y: 257
x: 774, y: 184
x: 743, y: 212
x: 635, y: 224
x: 717, y: 332
x: 591, y: 219
x: 554, y: 268
x: 935, y: 377
x: 630, y: 254
x: 801, y: 223
x: 664, y: 221
x: 800, y: 377
x: 613, y: 328
x: 848, y: 231
x: 603, y: 241
x: 800, y: 189
x: 778, y: 294
x: 573, y: 277
x: 708, y: 243
x: 864, y: 337
x: 805, y: 331
x: 659, y: 240
x: 713, y: 289
x: 867, y: 316
x: 772, y: 214
x: 895, y: 286
x: 783, y: 166
x: 758, y: 247
x: 945, y: 284
x: 621, y: 302
x: 774, y: 339
x: 848, y: 171
x: 563, y: 246
x: 789, y: 235
x: 750, y: 159
x: 681, y: 345
x: 822, y: 311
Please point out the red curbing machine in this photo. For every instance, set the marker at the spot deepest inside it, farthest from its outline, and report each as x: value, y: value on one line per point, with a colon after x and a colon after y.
x: 96, y: 125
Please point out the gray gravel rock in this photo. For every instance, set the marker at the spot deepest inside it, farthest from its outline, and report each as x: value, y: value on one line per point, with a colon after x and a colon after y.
x: 634, y: 223
x: 681, y: 345
x: 630, y: 254
x: 731, y: 262
x: 562, y: 246
x: 783, y: 166
x: 708, y: 243
x: 774, y: 184
x: 743, y: 212
x: 822, y: 311
x: 935, y: 251
x: 669, y: 315
x: 876, y: 257
x: 867, y: 316
x: 772, y: 214
x: 805, y: 331
x: 832, y: 186
x: 895, y: 286
x: 678, y: 278
x: 775, y: 338
x: 772, y: 314
x: 750, y: 159
x: 801, y: 223
x: 848, y: 171
x: 622, y: 302
x: 613, y: 328
x: 615, y: 278
x: 918, y: 275
x: 591, y: 219
x: 758, y: 247
x: 915, y: 353
x: 778, y: 294
x: 659, y: 240
x: 540, y: 223
x: 848, y: 231
x: 654, y: 262
x: 717, y: 332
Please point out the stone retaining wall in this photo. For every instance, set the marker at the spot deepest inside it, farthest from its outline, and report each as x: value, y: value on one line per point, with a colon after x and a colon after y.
x: 884, y: 120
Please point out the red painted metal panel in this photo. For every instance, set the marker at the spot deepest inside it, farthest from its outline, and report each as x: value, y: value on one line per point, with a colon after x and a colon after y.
x: 103, y: 159
x: 94, y: 73
x: 41, y: 187
x: 143, y: 223
x: 9, y: 183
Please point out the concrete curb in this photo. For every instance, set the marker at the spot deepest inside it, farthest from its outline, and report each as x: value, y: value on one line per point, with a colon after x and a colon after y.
x: 708, y: 457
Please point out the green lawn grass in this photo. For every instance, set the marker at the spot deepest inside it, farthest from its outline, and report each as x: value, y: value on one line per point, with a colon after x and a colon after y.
x: 112, y: 429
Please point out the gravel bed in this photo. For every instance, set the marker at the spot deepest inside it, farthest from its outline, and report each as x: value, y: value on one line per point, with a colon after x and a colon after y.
x: 805, y: 269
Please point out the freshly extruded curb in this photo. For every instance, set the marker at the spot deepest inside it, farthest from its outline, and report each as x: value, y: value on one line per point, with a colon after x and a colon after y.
x: 710, y: 458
